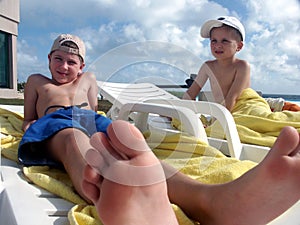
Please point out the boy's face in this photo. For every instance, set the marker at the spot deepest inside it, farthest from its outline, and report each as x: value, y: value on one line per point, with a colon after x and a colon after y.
x: 64, y: 67
x: 224, y: 42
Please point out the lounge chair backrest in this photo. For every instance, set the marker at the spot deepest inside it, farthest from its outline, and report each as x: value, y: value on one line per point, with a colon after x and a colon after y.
x: 121, y: 93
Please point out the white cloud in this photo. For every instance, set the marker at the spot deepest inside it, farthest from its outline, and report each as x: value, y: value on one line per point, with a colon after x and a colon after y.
x: 28, y: 63
x: 132, y: 32
x: 272, y: 31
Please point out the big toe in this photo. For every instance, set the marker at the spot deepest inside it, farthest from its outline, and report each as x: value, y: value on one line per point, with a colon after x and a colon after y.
x: 127, y: 138
x: 287, y: 142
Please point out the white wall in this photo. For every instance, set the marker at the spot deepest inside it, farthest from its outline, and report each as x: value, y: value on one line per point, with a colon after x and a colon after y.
x: 9, y: 20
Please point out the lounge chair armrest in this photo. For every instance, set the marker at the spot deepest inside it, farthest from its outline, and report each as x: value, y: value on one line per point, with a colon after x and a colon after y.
x: 191, y: 123
x: 215, y: 110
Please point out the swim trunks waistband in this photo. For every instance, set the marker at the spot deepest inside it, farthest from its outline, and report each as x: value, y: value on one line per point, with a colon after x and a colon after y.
x: 64, y: 107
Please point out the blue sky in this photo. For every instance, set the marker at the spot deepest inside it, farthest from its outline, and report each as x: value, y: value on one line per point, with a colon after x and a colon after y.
x: 159, y: 41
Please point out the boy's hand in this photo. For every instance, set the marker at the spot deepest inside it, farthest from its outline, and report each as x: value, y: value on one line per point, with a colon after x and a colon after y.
x: 27, y: 124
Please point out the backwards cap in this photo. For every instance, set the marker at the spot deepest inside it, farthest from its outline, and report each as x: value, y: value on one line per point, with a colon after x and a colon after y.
x: 228, y: 20
x: 59, y: 41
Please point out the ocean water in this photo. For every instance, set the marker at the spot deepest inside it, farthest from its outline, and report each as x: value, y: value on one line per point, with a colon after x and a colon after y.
x: 288, y: 98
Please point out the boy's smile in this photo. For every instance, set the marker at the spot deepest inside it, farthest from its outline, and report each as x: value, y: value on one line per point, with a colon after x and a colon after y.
x: 223, y: 42
x: 64, y: 67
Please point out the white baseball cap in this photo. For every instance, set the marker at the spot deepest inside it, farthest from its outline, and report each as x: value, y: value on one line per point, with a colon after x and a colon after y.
x: 228, y: 20
x: 58, y: 44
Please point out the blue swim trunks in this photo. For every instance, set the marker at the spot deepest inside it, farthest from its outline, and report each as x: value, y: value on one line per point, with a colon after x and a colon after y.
x: 32, y: 151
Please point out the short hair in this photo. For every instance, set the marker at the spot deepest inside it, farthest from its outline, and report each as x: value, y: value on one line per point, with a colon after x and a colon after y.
x: 70, y: 44
x: 237, y: 34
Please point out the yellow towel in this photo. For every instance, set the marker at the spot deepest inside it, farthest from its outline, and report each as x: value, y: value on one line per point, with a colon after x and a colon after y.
x: 54, y: 180
x: 187, y: 154
x: 84, y: 215
x: 256, y: 123
x: 11, y: 133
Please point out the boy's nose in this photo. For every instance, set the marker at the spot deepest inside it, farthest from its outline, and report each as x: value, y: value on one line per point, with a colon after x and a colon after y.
x: 218, y: 45
x: 64, y: 64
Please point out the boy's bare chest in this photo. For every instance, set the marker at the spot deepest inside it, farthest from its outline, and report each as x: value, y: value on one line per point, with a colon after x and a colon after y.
x: 64, y: 95
x: 222, y: 74
x: 224, y: 77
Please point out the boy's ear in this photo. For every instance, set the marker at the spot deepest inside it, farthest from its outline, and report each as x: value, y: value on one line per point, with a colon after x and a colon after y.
x: 240, y: 46
x: 81, y: 68
x: 49, y: 60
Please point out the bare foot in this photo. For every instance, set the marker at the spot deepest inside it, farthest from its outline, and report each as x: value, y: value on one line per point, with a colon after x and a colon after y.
x: 132, y: 187
x: 260, y: 195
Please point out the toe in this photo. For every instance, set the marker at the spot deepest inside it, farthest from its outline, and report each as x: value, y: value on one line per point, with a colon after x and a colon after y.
x: 127, y: 138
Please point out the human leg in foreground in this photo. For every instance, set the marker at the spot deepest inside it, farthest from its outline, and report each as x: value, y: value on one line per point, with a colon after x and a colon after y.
x: 257, y: 197
x: 132, y: 188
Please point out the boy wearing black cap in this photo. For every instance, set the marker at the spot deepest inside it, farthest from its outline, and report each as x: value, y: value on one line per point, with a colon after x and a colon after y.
x: 228, y: 75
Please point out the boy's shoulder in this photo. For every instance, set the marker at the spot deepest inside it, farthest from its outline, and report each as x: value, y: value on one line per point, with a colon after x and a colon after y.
x: 88, y: 75
x: 209, y: 62
x: 240, y: 63
x: 37, y: 77
x: 237, y: 63
x: 87, y: 78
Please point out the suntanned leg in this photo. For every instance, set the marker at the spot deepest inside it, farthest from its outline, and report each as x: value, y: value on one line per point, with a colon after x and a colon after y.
x: 132, y: 188
x: 68, y: 146
x: 257, y: 197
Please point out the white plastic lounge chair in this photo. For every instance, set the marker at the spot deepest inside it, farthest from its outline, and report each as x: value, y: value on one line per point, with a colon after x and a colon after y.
x: 24, y: 204
x: 232, y: 146
x: 125, y: 97
x: 192, y: 125
x: 120, y: 94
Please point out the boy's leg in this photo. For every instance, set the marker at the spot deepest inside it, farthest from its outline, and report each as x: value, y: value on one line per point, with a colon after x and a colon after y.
x: 132, y: 188
x: 68, y: 147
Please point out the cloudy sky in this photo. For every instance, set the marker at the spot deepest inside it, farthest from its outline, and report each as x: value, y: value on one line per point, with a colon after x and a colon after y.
x: 159, y: 41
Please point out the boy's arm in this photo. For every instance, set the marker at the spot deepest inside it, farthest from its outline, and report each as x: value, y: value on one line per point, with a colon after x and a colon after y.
x: 192, y: 92
x: 241, y: 82
x: 197, y: 85
x: 93, y: 92
x: 30, y: 99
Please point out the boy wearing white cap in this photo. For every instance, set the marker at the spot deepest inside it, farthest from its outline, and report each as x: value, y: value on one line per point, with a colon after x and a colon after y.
x: 228, y: 75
